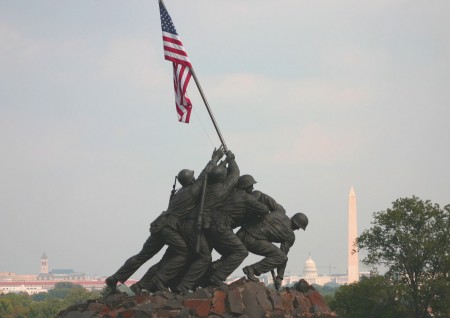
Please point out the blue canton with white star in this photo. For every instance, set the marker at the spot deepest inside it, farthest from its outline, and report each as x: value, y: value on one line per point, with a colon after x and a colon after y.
x: 166, y: 21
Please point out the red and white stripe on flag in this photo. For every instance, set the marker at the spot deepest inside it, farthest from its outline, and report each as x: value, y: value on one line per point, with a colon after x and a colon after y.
x: 181, y: 77
x: 174, y: 52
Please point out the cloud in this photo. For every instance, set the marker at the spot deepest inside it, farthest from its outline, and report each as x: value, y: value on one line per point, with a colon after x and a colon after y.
x: 271, y: 94
x: 316, y: 143
x: 136, y: 61
x: 16, y: 46
x: 130, y: 61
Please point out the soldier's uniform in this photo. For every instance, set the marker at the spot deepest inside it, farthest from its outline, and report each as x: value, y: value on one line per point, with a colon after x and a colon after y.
x: 240, y: 207
x: 215, y: 194
x: 274, y: 227
x: 165, y: 230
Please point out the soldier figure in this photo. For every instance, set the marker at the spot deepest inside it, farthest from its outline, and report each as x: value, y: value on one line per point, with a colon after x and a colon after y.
x: 241, y: 206
x: 221, y: 181
x: 258, y: 237
x: 165, y: 231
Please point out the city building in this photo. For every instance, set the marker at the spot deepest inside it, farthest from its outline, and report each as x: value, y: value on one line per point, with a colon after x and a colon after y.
x: 46, y: 279
x: 58, y: 274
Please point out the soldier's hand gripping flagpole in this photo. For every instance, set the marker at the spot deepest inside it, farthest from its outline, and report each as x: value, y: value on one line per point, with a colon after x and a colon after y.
x: 175, y: 52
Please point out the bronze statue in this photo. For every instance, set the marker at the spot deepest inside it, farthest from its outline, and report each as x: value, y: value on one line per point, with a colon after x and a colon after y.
x: 221, y: 181
x: 242, y: 205
x: 165, y: 231
x: 258, y: 237
x: 202, y: 215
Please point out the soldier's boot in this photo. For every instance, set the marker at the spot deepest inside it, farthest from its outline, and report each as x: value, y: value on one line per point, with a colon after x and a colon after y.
x: 217, y: 282
x: 111, y: 283
x: 159, y: 285
x: 154, y: 285
x: 250, y: 272
x: 136, y: 288
x: 180, y: 289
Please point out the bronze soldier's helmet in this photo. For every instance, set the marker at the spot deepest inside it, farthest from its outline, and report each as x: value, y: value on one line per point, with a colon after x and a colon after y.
x: 185, y: 177
x: 217, y: 174
x: 300, y: 220
x: 245, y: 181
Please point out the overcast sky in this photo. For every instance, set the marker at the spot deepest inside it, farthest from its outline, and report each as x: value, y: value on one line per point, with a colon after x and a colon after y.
x: 313, y: 97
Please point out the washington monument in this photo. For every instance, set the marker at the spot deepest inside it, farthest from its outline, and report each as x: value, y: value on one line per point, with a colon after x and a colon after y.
x: 352, y: 272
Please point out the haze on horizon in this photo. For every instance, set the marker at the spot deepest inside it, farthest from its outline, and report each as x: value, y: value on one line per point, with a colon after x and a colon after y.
x: 313, y: 97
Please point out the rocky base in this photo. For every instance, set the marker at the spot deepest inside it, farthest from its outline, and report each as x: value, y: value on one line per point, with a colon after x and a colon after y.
x: 242, y: 299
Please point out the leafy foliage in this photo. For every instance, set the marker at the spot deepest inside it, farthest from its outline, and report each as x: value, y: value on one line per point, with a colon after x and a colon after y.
x: 369, y: 298
x: 14, y: 305
x: 43, y: 305
x: 326, y: 290
x: 412, y: 239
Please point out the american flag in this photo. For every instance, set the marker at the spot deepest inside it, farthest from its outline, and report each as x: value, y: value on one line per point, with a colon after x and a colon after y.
x: 174, y: 51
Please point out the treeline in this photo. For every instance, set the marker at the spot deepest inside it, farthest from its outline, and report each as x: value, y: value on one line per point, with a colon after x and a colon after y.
x: 379, y: 296
x: 44, y: 305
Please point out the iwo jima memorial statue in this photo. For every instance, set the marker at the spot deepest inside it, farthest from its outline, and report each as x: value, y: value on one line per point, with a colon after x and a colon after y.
x: 201, y: 216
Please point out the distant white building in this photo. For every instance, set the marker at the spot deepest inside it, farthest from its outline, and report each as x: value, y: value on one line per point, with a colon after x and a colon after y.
x: 310, y: 269
x: 30, y: 290
x: 310, y: 275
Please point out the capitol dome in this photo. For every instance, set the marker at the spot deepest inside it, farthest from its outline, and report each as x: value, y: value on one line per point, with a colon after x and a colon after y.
x: 310, y: 269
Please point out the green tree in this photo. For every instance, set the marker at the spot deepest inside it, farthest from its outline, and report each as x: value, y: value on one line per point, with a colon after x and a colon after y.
x: 326, y: 290
x: 412, y: 240
x: 441, y: 302
x: 14, y: 305
x: 63, y: 289
x: 47, y: 308
x: 79, y: 295
x: 369, y: 298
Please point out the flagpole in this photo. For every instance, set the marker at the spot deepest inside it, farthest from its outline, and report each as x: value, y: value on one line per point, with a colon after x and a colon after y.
x: 205, y: 101
x: 209, y: 110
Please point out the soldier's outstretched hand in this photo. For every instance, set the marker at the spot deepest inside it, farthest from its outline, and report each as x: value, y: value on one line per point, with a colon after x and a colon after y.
x: 217, y: 154
x: 230, y: 155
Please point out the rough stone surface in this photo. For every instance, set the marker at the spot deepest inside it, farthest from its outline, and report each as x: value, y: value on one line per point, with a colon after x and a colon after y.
x: 235, y: 303
x: 276, y: 301
x: 263, y: 300
x: 243, y: 298
x: 252, y: 308
x: 218, y: 302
